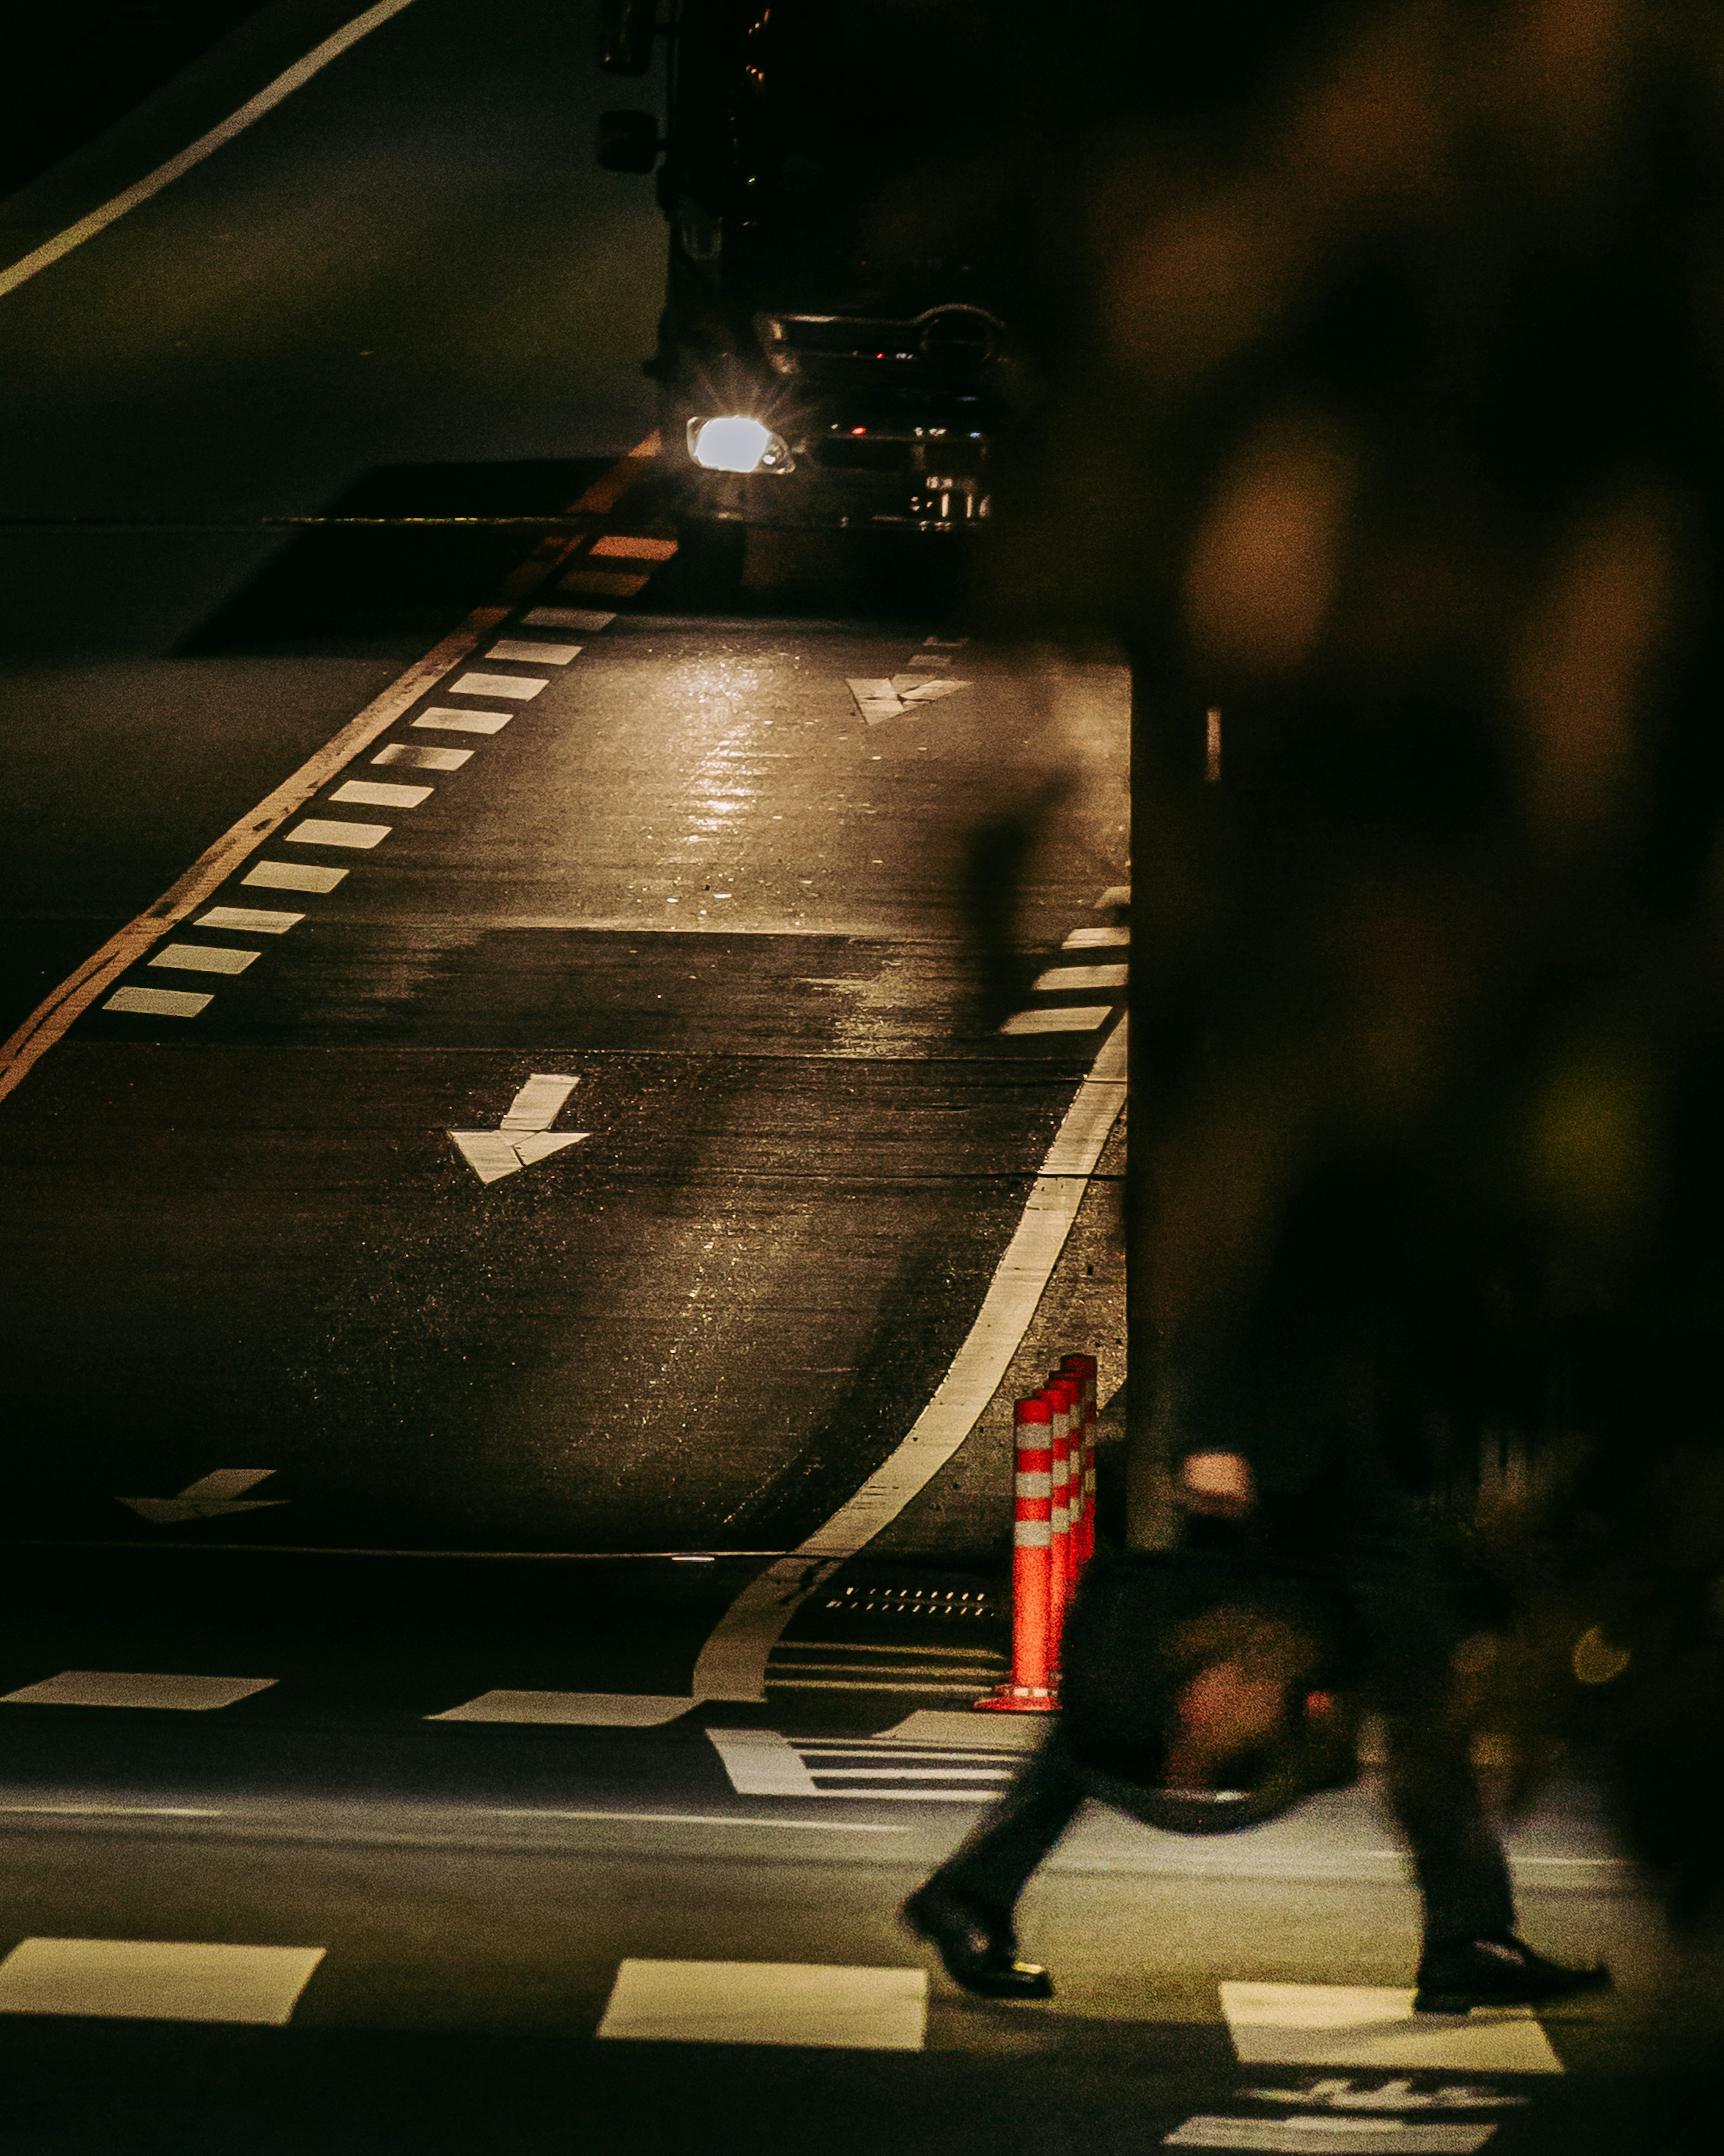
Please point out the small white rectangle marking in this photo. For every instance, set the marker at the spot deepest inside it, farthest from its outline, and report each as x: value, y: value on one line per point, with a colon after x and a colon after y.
x: 1329, y: 2137
x: 1078, y: 1018
x: 1072, y: 980
x: 1117, y: 894
x: 156, y: 1979
x: 589, y: 1710
x: 203, y: 958
x: 935, y: 1726
x: 603, y: 584
x: 1096, y: 939
x: 621, y: 546
x: 293, y: 875
x: 521, y: 688
x: 157, y: 1002
x: 320, y: 831
x: 136, y: 1688
x: 423, y: 758
x: 761, y: 1763
x: 525, y: 654
x: 756, y: 2002
x: 374, y: 793
x: 1327, y: 2025
x: 253, y: 919
x: 463, y: 723
x: 566, y: 617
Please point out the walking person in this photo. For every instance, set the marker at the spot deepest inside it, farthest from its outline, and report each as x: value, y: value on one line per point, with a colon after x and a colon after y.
x: 1349, y: 1524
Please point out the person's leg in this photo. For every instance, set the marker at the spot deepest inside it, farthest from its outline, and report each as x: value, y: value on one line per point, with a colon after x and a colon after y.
x: 966, y: 1908
x: 1470, y: 1956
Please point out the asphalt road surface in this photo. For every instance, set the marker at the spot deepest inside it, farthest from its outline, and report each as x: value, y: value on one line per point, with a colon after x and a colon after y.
x: 527, y: 1093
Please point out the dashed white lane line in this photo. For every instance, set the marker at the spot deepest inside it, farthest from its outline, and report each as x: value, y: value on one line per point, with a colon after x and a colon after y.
x: 1327, y: 2025
x: 1330, y: 2137
x: 519, y: 688
x: 1078, y: 1018
x: 1117, y: 894
x: 765, y: 2002
x: 157, y: 1003
x: 375, y: 793
x: 203, y: 958
x: 1071, y: 980
x: 762, y: 1763
x: 251, y: 919
x: 463, y: 723
x: 293, y: 876
x: 1095, y: 939
x: 317, y: 831
x: 566, y: 617
x: 156, y: 1979
x: 623, y: 546
x: 587, y: 1710
x: 185, y: 1695
x: 525, y: 653
x: 422, y: 758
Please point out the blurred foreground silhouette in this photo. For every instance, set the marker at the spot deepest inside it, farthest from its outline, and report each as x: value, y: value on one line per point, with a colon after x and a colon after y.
x: 1382, y: 350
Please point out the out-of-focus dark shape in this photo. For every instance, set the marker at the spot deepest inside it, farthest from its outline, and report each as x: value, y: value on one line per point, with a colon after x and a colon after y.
x: 1387, y: 417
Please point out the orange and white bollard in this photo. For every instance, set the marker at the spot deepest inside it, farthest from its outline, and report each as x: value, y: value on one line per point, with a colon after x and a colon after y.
x: 1066, y: 1400
x: 1086, y: 1370
x: 1030, y: 1688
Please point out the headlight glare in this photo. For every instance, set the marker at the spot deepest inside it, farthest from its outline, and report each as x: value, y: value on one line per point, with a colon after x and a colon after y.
x: 735, y: 444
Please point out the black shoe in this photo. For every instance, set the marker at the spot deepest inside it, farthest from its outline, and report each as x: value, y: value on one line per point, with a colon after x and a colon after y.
x: 1499, y: 1971
x: 977, y: 1948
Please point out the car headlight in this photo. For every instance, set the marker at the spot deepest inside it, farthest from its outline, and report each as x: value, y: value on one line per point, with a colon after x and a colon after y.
x: 737, y: 444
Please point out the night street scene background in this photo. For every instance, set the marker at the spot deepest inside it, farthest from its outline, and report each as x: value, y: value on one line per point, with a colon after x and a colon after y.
x: 538, y: 1268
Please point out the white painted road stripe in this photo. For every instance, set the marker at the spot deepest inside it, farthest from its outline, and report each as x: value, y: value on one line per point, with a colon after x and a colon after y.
x: 375, y: 793
x: 1069, y: 980
x: 252, y: 918
x: 566, y: 617
x: 714, y: 1819
x: 520, y: 689
x: 765, y: 2002
x: 156, y: 1979
x: 423, y: 759
x: 203, y: 958
x: 150, y: 1688
x: 236, y: 123
x: 293, y: 876
x: 1329, y: 2137
x: 587, y: 1710
x: 534, y: 654
x: 464, y: 722
x: 1327, y: 2025
x: 316, y: 831
x: 1078, y: 1018
x: 733, y: 1662
x: 157, y: 1002
x: 618, y: 546
x: 1095, y: 939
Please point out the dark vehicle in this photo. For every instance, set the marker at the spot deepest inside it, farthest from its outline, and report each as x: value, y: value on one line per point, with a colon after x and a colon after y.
x: 836, y: 348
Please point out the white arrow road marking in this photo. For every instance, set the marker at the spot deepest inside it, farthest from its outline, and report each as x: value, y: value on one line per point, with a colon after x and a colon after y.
x: 524, y: 1134
x: 878, y: 700
x: 205, y: 1499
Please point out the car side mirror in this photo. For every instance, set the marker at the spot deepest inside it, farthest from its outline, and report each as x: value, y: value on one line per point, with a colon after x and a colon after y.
x: 627, y: 142
x: 625, y: 35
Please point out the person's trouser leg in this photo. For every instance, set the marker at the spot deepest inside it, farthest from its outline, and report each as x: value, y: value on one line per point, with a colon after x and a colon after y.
x: 992, y: 1866
x: 1463, y: 1876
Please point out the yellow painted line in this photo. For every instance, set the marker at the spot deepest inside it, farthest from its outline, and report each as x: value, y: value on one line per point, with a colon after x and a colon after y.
x: 267, y: 98
x: 55, y: 1014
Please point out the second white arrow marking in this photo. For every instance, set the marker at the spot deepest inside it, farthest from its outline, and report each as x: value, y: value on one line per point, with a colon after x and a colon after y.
x: 524, y: 1134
